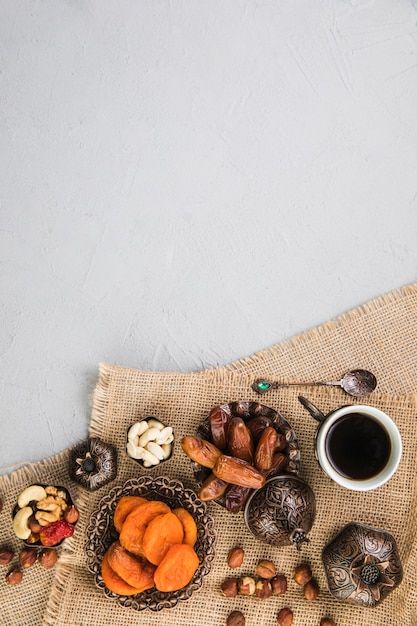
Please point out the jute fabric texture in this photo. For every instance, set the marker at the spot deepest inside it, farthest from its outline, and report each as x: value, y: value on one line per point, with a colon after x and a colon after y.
x: 379, y: 336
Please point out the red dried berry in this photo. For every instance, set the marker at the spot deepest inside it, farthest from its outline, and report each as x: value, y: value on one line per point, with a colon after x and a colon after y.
x: 54, y: 533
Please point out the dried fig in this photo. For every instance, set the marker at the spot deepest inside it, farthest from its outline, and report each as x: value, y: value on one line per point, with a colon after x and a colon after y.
x: 219, y: 419
x: 212, y: 488
x: 200, y: 451
x: 239, y: 440
x: 238, y: 472
x: 235, y: 497
x: 266, y: 448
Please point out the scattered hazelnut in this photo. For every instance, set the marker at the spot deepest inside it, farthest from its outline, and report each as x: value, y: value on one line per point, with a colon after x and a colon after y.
x: 311, y: 590
x: 71, y: 515
x: 247, y: 586
x: 6, y: 555
x: 235, y: 557
x: 229, y: 587
x: 266, y: 569
x: 302, y: 574
x: 285, y: 617
x: 327, y: 621
x: 48, y: 558
x: 236, y: 618
x: 28, y: 557
x: 279, y: 584
x: 263, y: 589
x: 34, y: 525
x: 14, y: 577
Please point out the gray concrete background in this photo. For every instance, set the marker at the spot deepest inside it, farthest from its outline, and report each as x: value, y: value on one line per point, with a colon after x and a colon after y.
x: 186, y: 182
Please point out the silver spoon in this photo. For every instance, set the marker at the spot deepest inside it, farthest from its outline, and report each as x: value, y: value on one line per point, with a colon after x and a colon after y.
x: 356, y: 383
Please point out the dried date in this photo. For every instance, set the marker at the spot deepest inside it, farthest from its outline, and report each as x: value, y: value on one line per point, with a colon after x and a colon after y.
x: 257, y: 426
x: 239, y: 440
x: 212, y: 488
x: 219, y: 419
x: 238, y: 472
x: 200, y: 451
x: 235, y: 497
x: 265, y: 449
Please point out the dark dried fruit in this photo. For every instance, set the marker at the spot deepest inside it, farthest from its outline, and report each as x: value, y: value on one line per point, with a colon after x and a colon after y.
x: 238, y: 472
x: 239, y: 440
x: 311, y: 590
x: 34, y: 525
x: 28, y: 557
x: 229, y: 587
x: 281, y: 443
x: 279, y: 584
x: 93, y: 463
x: 219, y: 419
x: 285, y: 617
x: 302, y: 574
x: 266, y: 448
x: 263, y: 589
x: 235, y: 557
x: 266, y: 569
x: 54, y: 533
x: 279, y: 461
x: 200, y: 451
x: 212, y: 488
x: 241, y: 408
x: 14, y: 577
x: 236, y: 618
x: 235, y: 497
x: 48, y: 558
x: 6, y: 555
x: 257, y: 426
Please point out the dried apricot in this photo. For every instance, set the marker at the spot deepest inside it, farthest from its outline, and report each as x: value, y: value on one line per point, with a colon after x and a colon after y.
x: 161, y: 533
x: 114, y: 582
x: 125, y: 506
x: 176, y: 568
x: 134, y: 526
x: 190, y: 527
x: 134, y: 570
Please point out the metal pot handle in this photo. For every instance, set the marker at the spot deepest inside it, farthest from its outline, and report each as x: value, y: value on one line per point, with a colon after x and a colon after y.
x: 315, y: 412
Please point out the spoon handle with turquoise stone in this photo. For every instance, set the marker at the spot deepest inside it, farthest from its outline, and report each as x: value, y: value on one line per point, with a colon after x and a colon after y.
x: 263, y: 385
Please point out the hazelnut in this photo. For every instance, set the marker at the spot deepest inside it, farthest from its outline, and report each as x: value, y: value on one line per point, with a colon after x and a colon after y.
x: 34, y: 525
x: 48, y: 558
x: 302, y: 574
x: 266, y: 569
x: 285, y: 617
x: 71, y: 515
x: 235, y: 557
x: 28, y: 557
x: 14, y: 577
x: 229, y: 587
x: 6, y: 555
x: 236, y: 618
x: 327, y: 621
x: 263, y: 589
x: 311, y: 590
x: 247, y: 586
x: 279, y: 584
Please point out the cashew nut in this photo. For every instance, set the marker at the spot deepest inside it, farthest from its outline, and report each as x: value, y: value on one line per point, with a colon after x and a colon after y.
x: 137, y: 430
x: 34, y: 492
x: 149, y: 435
x: 166, y: 449
x: 150, y: 458
x: 135, y: 452
x: 20, y: 523
x: 164, y: 435
x: 152, y: 423
x: 156, y: 450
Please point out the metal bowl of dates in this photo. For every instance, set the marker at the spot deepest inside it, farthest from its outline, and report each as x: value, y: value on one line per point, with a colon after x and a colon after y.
x: 257, y: 418
x: 101, y: 533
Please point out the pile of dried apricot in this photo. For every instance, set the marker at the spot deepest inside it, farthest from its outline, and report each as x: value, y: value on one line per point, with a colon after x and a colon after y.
x: 155, y: 548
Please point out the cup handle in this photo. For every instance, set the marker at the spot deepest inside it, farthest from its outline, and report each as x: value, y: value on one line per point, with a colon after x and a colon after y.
x: 318, y: 415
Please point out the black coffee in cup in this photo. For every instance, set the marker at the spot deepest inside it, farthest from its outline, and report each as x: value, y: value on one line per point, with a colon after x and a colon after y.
x: 357, y: 446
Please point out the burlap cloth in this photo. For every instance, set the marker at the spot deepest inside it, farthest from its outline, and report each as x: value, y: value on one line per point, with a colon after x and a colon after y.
x: 380, y: 336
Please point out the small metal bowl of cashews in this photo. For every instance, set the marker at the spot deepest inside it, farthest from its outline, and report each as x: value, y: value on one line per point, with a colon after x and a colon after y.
x: 149, y: 442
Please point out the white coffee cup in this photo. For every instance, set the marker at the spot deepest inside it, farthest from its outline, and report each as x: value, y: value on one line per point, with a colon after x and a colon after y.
x: 326, y: 423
